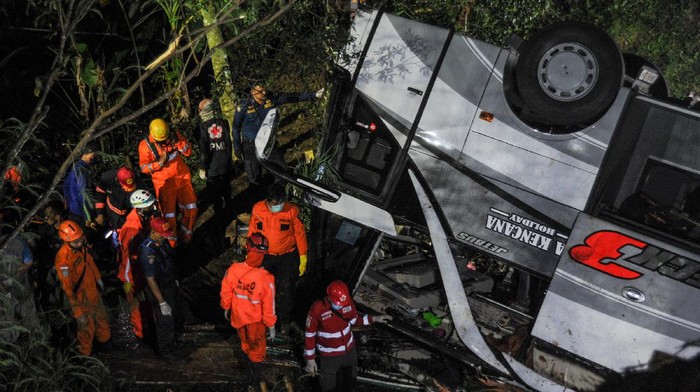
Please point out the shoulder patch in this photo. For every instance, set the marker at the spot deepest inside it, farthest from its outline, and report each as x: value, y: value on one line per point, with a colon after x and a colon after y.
x: 65, y: 271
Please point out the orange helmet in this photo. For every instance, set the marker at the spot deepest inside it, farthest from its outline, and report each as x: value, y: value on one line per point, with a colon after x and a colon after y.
x: 257, y: 243
x: 338, y: 293
x: 159, y: 129
x: 69, y: 231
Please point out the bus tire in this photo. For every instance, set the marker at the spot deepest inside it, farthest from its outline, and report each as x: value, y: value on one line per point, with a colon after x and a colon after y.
x: 568, y: 74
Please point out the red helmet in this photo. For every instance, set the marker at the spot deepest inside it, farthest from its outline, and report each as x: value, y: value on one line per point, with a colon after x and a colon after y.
x: 69, y: 231
x: 257, y: 243
x: 125, y: 177
x: 338, y: 293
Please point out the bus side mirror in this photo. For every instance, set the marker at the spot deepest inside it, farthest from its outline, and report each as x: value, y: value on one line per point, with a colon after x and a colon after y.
x: 265, y: 140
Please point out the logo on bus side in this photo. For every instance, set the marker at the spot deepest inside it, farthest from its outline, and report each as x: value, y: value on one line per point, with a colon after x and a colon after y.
x: 601, y: 249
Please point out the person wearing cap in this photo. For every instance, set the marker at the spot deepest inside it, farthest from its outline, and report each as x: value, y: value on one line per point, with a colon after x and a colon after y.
x: 78, y: 188
x: 82, y: 283
x: 247, y: 120
x: 157, y: 260
x: 248, y: 300
x: 329, y: 334
x: 278, y: 220
x: 161, y: 156
x: 215, y: 156
x: 112, y: 193
x: 129, y: 239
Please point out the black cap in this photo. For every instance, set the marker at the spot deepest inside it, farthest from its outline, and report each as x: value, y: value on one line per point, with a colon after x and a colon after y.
x: 91, y: 147
x: 276, y: 192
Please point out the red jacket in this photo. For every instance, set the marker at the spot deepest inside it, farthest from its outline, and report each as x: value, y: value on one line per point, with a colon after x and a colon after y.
x: 249, y: 293
x: 329, y: 333
x: 174, y: 167
x: 78, y: 274
x: 130, y: 237
x: 283, y: 229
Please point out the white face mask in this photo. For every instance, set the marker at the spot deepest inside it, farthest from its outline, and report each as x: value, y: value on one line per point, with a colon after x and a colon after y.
x: 277, y: 207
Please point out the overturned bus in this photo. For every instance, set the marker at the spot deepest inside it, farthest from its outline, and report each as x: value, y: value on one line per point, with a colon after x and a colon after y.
x: 540, y: 202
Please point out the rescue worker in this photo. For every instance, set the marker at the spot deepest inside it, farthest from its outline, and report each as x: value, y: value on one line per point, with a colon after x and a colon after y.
x: 215, y: 156
x: 130, y: 238
x: 279, y: 222
x: 51, y: 297
x: 156, y: 257
x: 113, y: 193
x: 329, y: 333
x: 247, y: 120
x: 248, y: 300
x: 78, y: 188
x: 82, y: 283
x: 161, y: 156
x: 16, y: 259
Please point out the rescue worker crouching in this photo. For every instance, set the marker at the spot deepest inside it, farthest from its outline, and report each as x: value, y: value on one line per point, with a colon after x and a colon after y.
x: 130, y: 237
x: 279, y: 222
x: 160, y: 155
x: 248, y: 300
x: 82, y: 283
x: 157, y: 259
x: 329, y: 333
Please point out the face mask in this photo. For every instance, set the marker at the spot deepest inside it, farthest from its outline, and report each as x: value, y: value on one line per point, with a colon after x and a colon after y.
x: 336, y: 307
x: 277, y: 207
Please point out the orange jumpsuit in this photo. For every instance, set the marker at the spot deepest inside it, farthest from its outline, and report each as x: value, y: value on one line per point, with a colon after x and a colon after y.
x: 283, y: 229
x: 172, y: 181
x: 83, y: 294
x: 249, y: 293
x: 131, y: 234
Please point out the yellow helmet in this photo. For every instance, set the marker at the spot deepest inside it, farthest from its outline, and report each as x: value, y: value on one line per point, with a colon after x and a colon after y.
x: 159, y: 129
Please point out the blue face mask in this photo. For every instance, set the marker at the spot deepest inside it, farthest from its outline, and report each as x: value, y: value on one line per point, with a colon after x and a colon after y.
x: 336, y: 307
x: 277, y: 207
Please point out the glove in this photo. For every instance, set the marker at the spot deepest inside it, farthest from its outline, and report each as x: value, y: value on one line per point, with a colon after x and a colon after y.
x: 273, y: 333
x: 128, y: 287
x: 100, y: 219
x: 311, y: 366
x: 227, y: 314
x: 100, y: 285
x: 165, y: 309
x: 319, y: 93
x: 202, y: 174
x: 302, y: 264
x: 382, y: 319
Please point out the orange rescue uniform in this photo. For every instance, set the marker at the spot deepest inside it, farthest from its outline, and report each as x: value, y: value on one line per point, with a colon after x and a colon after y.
x: 130, y: 237
x: 172, y: 180
x: 249, y: 293
x: 78, y: 274
x: 283, y: 229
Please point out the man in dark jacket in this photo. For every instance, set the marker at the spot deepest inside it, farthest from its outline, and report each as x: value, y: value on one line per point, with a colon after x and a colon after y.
x: 78, y: 188
x: 113, y: 193
x: 215, y: 156
x: 249, y: 116
x: 157, y: 259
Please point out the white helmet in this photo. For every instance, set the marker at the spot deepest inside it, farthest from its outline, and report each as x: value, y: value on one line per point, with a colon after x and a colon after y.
x: 142, y: 199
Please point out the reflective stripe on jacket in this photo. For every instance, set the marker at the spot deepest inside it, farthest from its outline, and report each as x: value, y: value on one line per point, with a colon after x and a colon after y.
x: 249, y: 293
x: 130, y: 237
x: 327, y: 332
x: 174, y: 167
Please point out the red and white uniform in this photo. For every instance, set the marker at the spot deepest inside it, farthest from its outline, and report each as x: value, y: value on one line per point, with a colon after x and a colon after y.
x: 329, y: 331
